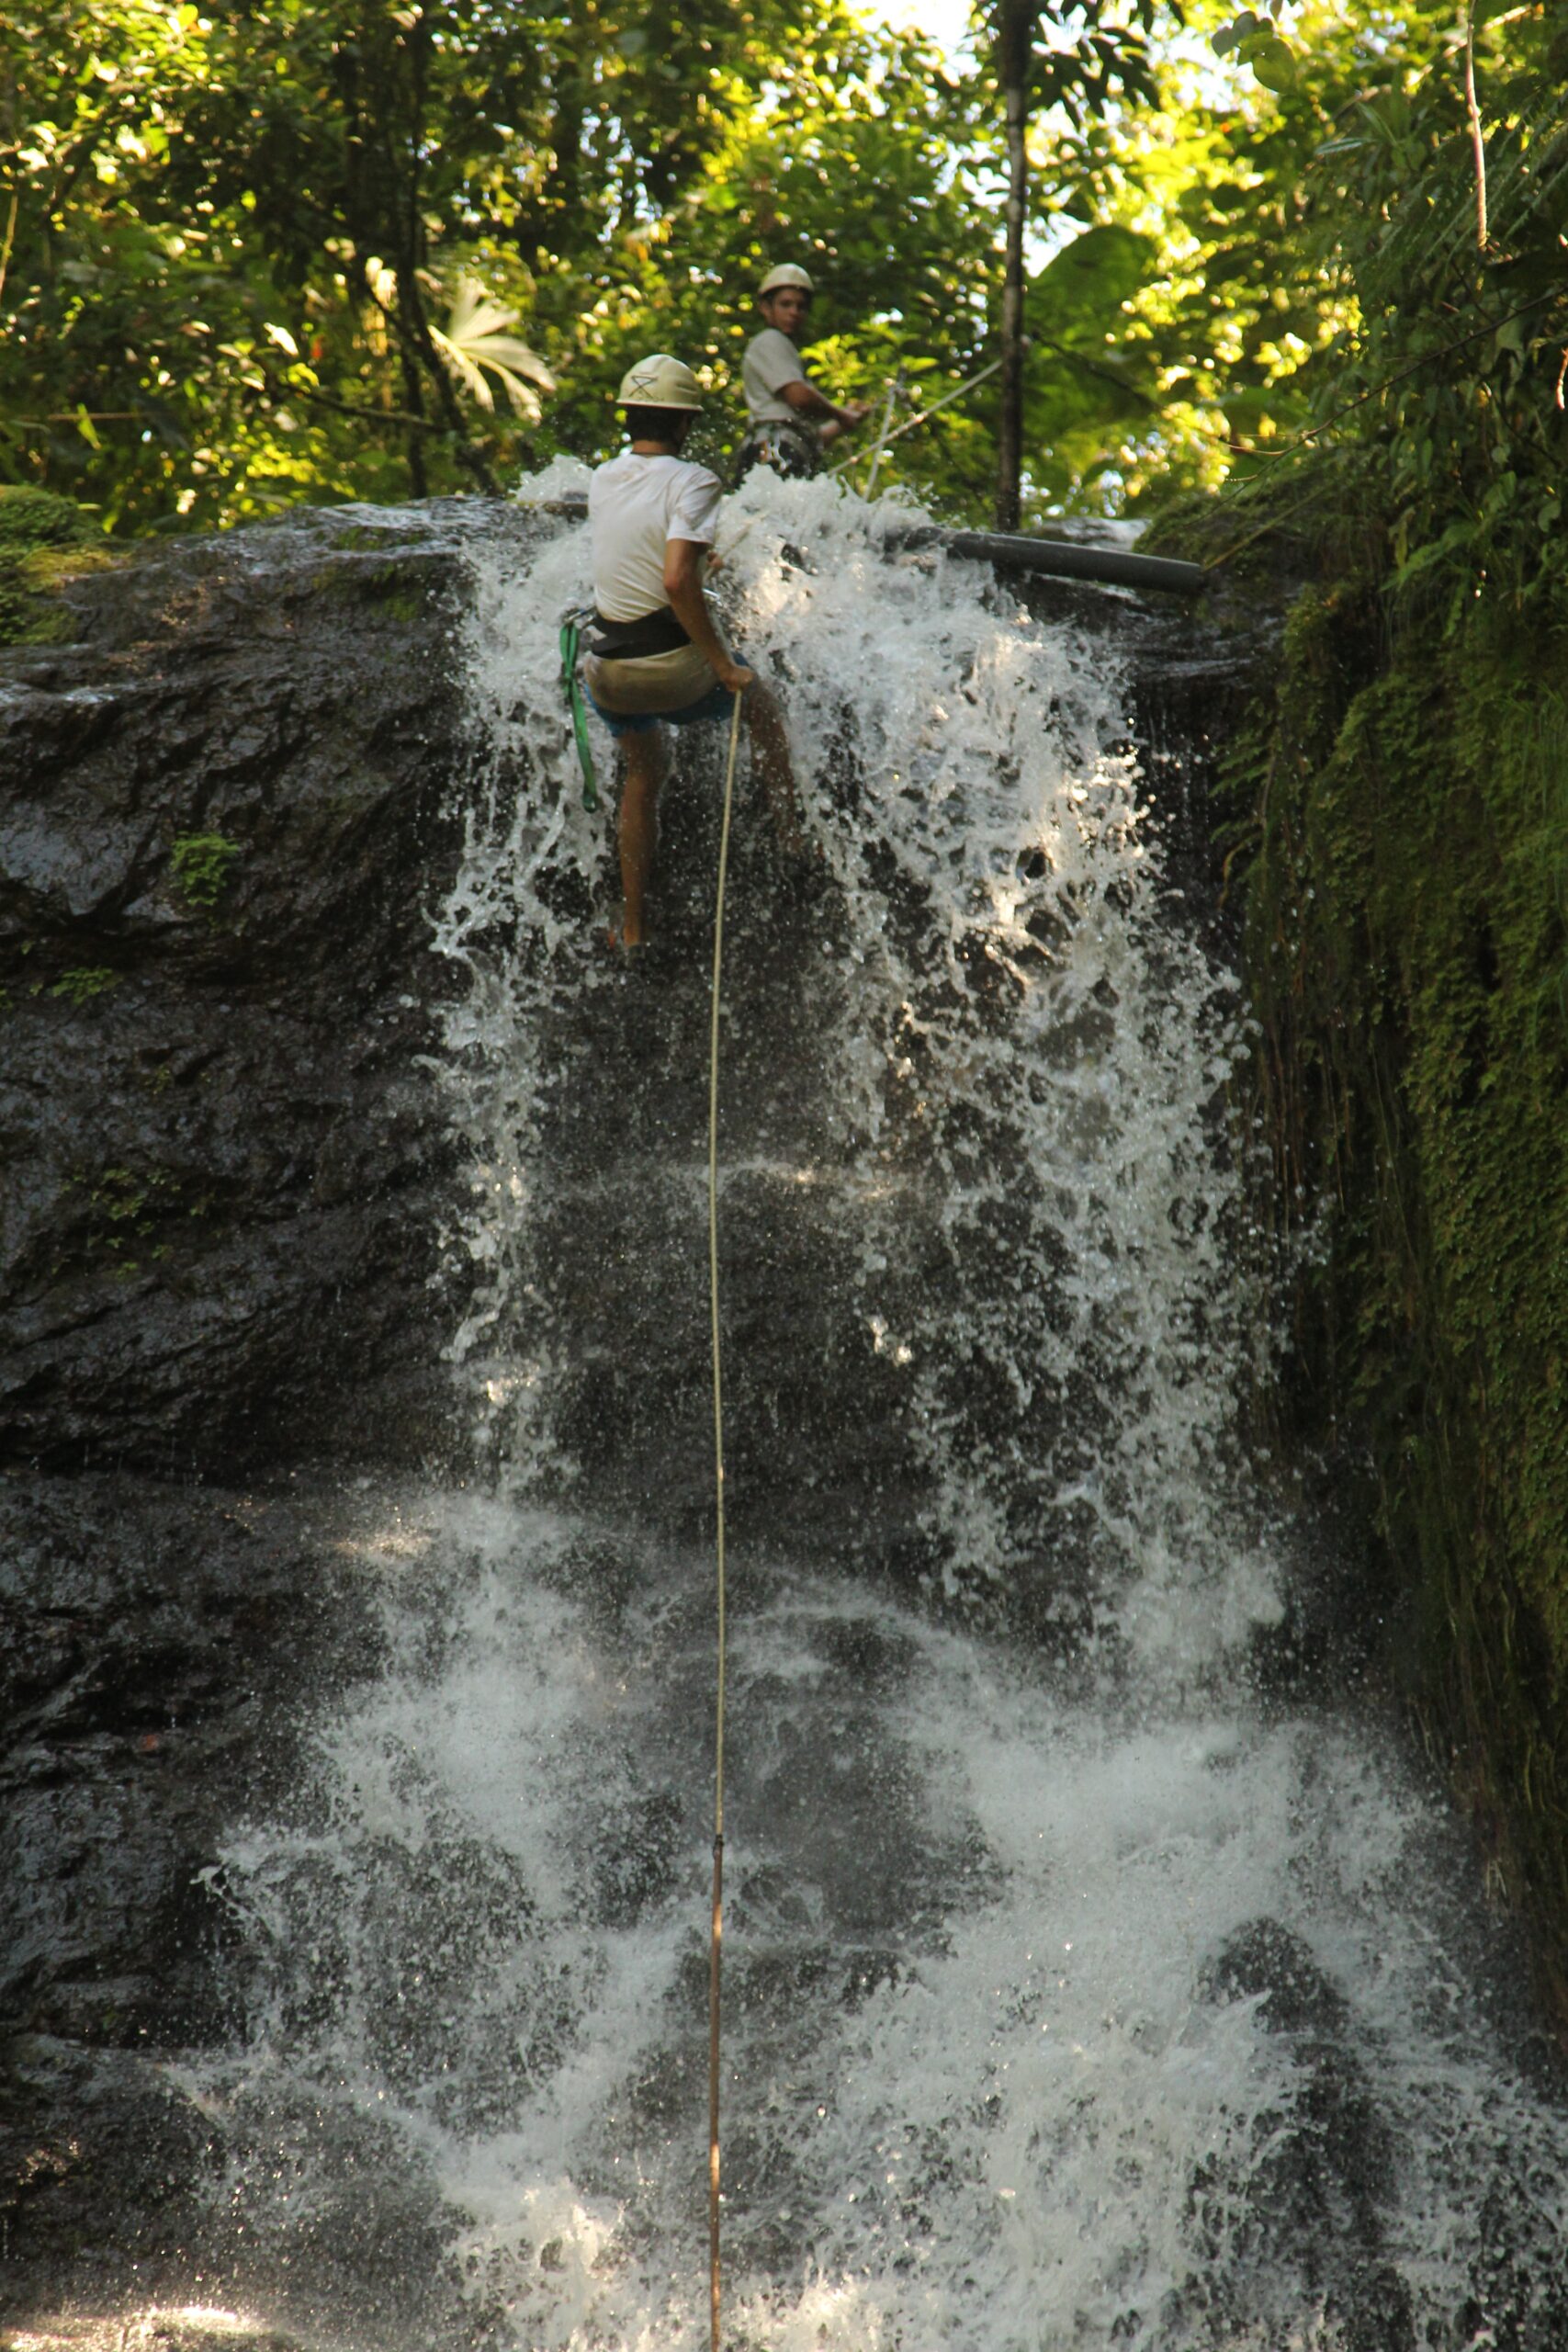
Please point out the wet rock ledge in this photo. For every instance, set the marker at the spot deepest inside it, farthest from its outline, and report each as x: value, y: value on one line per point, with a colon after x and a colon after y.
x: 231, y: 786
x: 225, y: 806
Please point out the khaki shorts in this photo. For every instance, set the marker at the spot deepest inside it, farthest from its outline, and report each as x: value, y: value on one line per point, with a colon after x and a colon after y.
x: 651, y: 685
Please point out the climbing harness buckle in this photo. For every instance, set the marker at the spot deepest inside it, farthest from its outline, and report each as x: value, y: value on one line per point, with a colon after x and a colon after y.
x: 571, y: 686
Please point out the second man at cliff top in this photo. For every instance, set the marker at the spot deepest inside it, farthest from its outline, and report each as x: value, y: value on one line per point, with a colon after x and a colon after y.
x: 791, y: 421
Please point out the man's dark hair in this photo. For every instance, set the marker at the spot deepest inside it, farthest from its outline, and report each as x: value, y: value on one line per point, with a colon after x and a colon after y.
x: 658, y: 424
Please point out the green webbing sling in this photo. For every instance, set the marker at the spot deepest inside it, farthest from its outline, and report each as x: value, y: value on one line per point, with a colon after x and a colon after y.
x: 570, y: 630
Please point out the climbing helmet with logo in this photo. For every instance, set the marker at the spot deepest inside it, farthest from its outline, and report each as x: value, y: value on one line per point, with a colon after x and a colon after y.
x: 659, y: 381
x: 788, y: 273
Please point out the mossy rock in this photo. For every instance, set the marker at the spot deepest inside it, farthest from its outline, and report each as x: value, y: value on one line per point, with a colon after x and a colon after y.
x: 1396, y: 826
x: 37, y: 518
x: 398, y: 588
x: 45, y: 543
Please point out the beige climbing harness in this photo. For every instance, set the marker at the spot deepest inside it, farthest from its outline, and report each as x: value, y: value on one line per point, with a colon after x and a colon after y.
x: 717, y: 1935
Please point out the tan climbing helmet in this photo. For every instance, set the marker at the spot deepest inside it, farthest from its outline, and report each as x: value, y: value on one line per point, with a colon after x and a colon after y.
x: 659, y: 381
x: 788, y: 273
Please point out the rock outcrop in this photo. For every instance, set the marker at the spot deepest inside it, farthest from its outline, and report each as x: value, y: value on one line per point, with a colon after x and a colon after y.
x: 230, y: 789
x: 222, y: 811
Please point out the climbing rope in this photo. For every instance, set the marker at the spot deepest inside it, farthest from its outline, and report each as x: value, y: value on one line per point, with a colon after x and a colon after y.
x: 717, y: 1935
x: 885, y: 438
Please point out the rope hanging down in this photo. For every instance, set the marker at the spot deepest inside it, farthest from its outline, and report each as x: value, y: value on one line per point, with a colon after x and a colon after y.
x: 717, y: 1935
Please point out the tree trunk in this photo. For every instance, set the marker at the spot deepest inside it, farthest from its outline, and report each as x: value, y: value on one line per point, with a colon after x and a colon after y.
x: 1015, y: 23
x: 402, y: 144
x: 413, y: 395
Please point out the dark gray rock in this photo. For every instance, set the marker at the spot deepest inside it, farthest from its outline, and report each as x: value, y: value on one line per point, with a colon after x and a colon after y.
x: 106, y: 2171
x: 224, y: 813
x: 1305, y: 2209
x: 148, y: 1635
x: 1267, y: 1962
x: 226, y: 804
x: 226, y: 808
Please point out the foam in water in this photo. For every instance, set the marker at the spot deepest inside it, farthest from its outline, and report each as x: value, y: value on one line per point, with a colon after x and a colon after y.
x: 1007, y: 1011
x: 1077, y: 1995
x: 1001, y: 2070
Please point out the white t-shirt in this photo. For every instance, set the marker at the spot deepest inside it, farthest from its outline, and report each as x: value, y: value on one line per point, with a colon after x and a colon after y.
x: 772, y: 361
x: 635, y: 504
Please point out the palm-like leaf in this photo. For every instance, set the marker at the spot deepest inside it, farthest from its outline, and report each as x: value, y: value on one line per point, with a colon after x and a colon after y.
x: 474, y: 345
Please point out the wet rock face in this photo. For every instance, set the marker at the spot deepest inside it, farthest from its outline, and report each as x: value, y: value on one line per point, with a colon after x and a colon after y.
x: 230, y: 791
x: 224, y: 811
x: 148, y: 1635
x: 1319, y: 2189
x: 229, y: 799
x: 1321, y: 2171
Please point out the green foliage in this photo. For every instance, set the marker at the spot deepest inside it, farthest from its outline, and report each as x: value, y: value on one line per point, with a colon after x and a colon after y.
x: 86, y: 981
x: 291, y: 250
x: 1400, y: 839
x: 287, y: 250
x: 909, y: 284
x: 1254, y: 40
x: 1455, y: 373
x: 1320, y: 518
x: 1337, y: 220
x: 202, y: 865
x: 247, y: 251
x: 902, y: 279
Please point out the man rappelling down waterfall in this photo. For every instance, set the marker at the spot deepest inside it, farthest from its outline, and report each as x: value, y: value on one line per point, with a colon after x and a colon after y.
x: 791, y: 422
x: 655, y: 656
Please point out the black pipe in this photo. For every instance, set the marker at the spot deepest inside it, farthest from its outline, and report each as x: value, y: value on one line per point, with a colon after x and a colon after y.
x: 1017, y: 551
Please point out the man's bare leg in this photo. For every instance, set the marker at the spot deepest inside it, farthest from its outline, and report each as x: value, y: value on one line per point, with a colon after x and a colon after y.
x: 638, y: 827
x: 770, y: 750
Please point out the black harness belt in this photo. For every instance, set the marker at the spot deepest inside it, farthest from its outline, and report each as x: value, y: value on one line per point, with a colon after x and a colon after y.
x: 655, y: 632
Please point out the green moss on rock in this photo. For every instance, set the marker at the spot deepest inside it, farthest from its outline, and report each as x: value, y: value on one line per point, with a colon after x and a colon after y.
x: 37, y: 518
x: 1401, y: 828
x: 44, y: 542
x: 202, y: 866
x: 82, y: 982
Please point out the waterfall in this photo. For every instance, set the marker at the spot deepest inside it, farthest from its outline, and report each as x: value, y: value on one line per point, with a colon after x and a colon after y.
x: 1092, y: 1979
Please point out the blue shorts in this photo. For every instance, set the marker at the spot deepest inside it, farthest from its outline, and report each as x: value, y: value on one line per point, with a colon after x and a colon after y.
x: 718, y: 703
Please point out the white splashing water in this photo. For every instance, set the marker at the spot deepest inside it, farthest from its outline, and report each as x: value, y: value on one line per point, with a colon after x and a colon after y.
x: 1042, y: 1042
x: 1094, y: 2002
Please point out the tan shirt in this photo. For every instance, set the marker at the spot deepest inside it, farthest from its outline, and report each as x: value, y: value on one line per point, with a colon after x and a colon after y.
x: 772, y: 361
